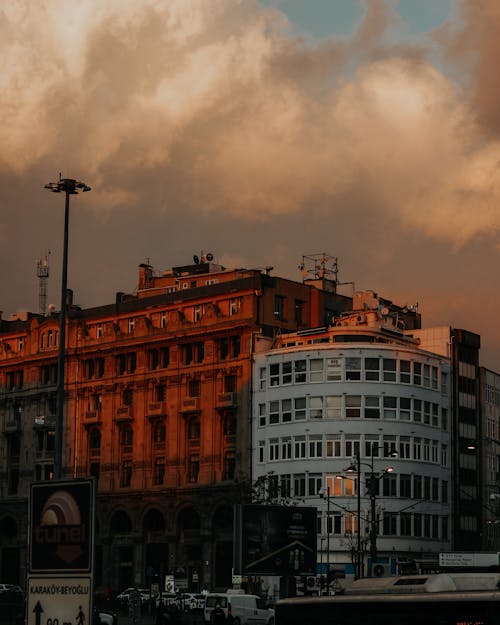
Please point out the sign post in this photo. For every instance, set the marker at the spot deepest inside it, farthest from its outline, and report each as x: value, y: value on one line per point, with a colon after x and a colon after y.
x: 61, y: 548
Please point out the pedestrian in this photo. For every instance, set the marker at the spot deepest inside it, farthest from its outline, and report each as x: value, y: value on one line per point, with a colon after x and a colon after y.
x: 218, y: 616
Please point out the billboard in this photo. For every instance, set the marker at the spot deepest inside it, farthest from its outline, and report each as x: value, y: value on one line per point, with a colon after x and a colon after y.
x: 61, y: 527
x: 275, y: 540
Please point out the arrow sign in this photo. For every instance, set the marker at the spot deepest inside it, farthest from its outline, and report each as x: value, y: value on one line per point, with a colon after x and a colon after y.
x: 38, y: 613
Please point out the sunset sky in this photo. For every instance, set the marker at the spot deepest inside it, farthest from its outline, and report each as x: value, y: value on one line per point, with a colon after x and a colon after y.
x: 259, y: 131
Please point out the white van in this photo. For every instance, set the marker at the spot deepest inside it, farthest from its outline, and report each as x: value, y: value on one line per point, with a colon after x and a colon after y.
x: 240, y: 609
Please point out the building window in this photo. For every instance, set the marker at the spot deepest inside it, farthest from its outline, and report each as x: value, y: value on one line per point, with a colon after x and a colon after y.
x: 193, y: 352
x: 126, y: 363
x: 127, y: 397
x: 262, y: 415
x: 404, y: 371
x: 262, y: 451
x: 229, y: 384
x: 389, y: 369
x: 300, y: 369
x: 286, y: 448
x: 333, y: 448
x: 315, y: 407
x: 229, y: 466
x: 160, y: 392
x: 159, y: 435
x: 131, y: 325
x: 299, y: 311
x: 126, y: 439
x: 193, y: 468
x: 262, y: 379
x: 316, y: 366
x: 372, y: 407
x: 333, y: 369
x: 390, y: 524
x: 159, y: 471
x: 333, y: 406
x: 372, y: 369
x: 300, y: 447
x: 229, y: 347
x: 405, y: 486
x: 274, y: 449
x: 299, y: 408
x: 405, y: 524
x: 153, y: 359
x: 99, y: 331
x: 234, y: 305
x: 126, y: 473
x: 194, y: 388
x: 315, y: 447
x: 353, y: 368
x: 279, y: 308
x: 95, y: 442
x: 353, y: 406
x: 299, y: 485
x: 193, y: 430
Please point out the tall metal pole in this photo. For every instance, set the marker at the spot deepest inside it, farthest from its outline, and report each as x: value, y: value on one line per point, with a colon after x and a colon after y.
x: 68, y: 186
x: 373, y: 513
x: 328, y: 529
x: 62, y: 350
x: 358, y: 486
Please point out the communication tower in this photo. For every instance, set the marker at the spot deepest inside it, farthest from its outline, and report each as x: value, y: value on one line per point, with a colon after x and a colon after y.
x: 42, y: 272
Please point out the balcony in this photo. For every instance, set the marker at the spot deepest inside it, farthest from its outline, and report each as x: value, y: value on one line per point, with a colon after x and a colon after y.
x: 123, y: 413
x: 190, y: 404
x: 156, y: 409
x: 226, y: 400
x: 92, y: 416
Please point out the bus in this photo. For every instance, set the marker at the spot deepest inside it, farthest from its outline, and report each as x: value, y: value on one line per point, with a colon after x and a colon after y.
x: 437, y: 599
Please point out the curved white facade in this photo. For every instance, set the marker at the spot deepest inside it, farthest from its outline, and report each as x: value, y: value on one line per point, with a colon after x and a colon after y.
x: 318, y: 404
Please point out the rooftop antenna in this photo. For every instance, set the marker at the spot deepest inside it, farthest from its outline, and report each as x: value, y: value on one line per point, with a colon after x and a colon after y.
x: 42, y: 272
x: 319, y: 266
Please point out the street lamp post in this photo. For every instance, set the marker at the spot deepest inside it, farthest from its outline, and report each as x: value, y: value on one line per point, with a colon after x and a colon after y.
x: 373, y: 509
x: 69, y: 187
x: 326, y: 496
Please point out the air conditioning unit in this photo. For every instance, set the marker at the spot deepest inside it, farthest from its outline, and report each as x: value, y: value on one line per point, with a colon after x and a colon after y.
x: 311, y: 583
x: 381, y: 569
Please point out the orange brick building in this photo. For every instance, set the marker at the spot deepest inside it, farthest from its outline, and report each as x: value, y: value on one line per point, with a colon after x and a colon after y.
x: 158, y: 409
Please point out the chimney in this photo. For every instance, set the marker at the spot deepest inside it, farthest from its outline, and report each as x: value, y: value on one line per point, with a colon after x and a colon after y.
x: 145, y: 276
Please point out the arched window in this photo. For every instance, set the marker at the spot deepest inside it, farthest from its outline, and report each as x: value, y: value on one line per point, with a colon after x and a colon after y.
x: 154, y: 521
x: 120, y: 523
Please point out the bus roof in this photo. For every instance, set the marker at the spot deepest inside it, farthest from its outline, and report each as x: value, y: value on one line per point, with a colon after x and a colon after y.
x: 439, y: 582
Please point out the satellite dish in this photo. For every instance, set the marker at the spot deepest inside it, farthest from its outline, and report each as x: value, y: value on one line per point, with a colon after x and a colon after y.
x: 385, y: 310
x: 196, y: 259
x: 52, y: 308
x: 210, y: 257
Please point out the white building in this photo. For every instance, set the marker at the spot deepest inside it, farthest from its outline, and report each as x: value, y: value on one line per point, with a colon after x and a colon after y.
x: 365, y: 397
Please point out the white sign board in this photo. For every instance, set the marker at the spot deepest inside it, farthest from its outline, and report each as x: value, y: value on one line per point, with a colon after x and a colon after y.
x: 63, y: 600
x: 169, y: 583
x: 469, y: 559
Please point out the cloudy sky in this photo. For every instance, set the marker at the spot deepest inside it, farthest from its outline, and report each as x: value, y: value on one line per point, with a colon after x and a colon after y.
x: 260, y: 131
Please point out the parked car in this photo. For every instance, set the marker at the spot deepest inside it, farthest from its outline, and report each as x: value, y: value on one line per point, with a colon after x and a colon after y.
x: 105, y: 617
x: 243, y: 609
x: 13, y: 588
x: 124, y: 596
x: 167, y: 598
x: 192, y: 602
